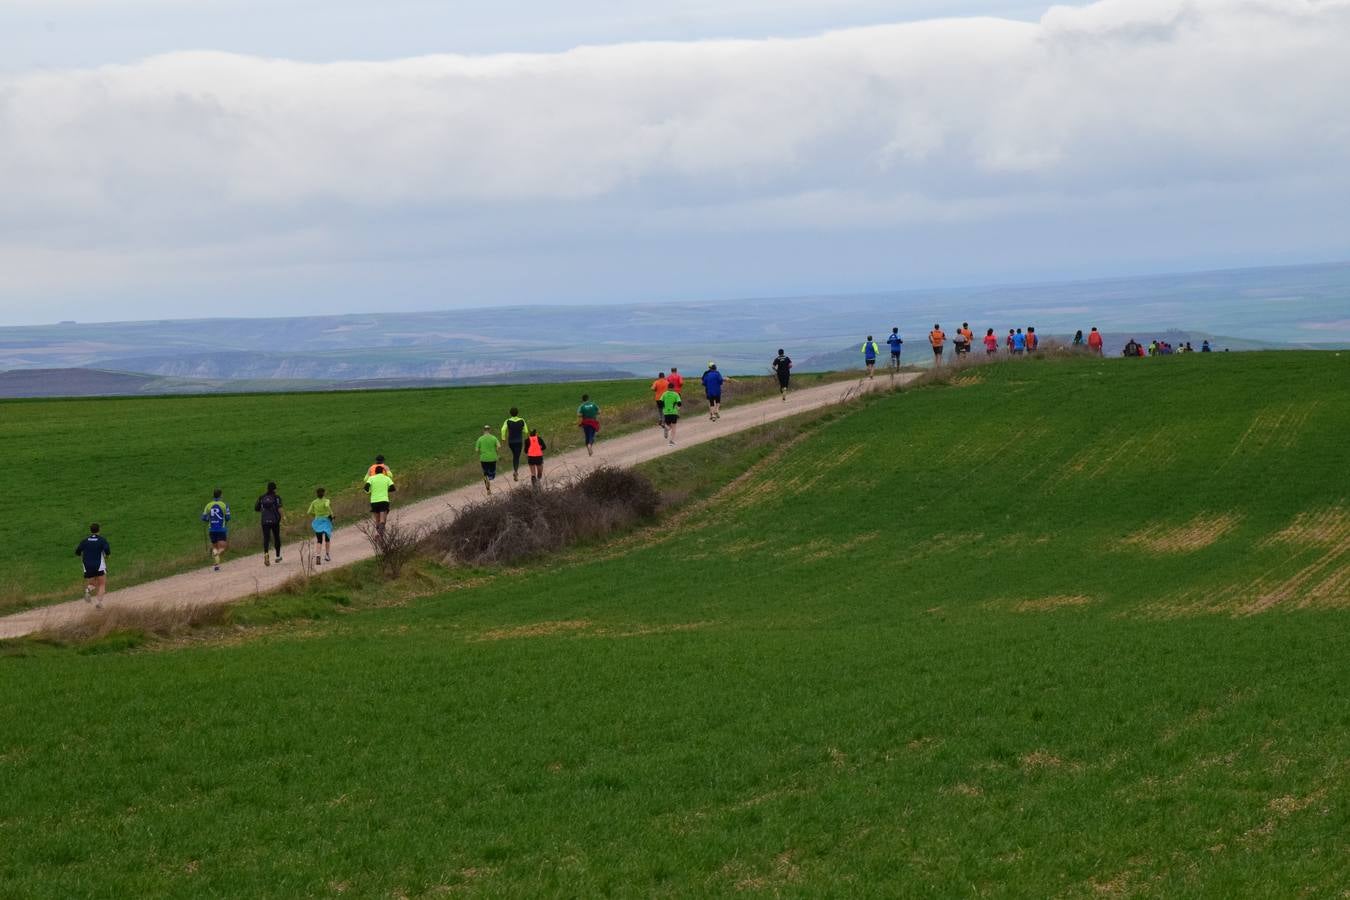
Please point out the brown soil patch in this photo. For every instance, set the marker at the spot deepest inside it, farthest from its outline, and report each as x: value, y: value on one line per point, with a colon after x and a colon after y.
x: 967, y: 790
x: 1273, y: 428
x: 1325, y: 582
x: 825, y: 548
x: 1039, y: 759
x: 967, y: 380
x: 1044, y: 604
x: 537, y: 629
x: 644, y: 631
x: 1198, y: 533
x: 1323, y: 527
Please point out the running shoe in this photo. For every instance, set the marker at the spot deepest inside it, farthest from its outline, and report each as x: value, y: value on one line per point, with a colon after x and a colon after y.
x: 88, y: 594
x: 215, y: 569
x: 267, y: 558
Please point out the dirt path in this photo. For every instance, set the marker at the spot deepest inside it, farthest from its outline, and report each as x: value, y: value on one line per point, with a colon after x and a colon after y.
x: 246, y: 577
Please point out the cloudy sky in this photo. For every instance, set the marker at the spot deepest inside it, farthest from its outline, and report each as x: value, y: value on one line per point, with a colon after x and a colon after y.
x: 240, y: 157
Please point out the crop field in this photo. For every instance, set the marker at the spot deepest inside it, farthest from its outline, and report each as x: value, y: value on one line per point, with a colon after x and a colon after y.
x: 1050, y: 629
x: 144, y: 467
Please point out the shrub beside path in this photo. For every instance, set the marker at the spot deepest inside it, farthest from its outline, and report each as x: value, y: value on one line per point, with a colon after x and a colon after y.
x: 244, y: 577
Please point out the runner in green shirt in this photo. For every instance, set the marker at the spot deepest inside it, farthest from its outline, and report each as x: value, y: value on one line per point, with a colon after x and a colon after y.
x: 588, y: 417
x: 379, y: 486
x: 487, y: 446
x: 670, y: 413
x: 321, y: 511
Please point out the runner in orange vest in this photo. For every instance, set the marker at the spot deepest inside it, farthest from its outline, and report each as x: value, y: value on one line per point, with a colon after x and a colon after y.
x: 658, y: 388
x: 968, y: 335
x: 990, y: 343
x: 1095, y: 341
x: 937, y: 337
x: 534, y: 455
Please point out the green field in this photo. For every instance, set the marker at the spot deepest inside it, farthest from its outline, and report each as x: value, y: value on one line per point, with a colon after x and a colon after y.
x: 1053, y: 629
x: 144, y: 467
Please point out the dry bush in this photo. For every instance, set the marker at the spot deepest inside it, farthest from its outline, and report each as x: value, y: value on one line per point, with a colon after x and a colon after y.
x: 396, y: 546
x: 160, y: 619
x: 521, y: 524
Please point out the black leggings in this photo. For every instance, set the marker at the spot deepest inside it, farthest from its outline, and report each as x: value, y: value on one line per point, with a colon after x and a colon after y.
x: 271, y: 533
x: 515, y: 456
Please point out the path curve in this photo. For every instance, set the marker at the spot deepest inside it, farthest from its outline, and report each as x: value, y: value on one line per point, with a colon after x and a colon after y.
x: 245, y: 577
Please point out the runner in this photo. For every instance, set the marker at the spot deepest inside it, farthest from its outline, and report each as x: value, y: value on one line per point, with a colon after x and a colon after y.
x: 990, y: 343
x: 782, y: 366
x: 534, y: 455
x: 712, y: 388
x: 1095, y: 341
x: 967, y: 337
x: 1032, y: 341
x: 1204, y: 346
x: 379, y: 486
x: 487, y: 446
x: 896, y: 343
x: 379, y: 461
x: 1078, y: 339
x: 216, y: 515
x: 269, y: 504
x: 959, y: 346
x: 1010, y: 342
x: 658, y: 388
x: 321, y: 512
x: 94, y: 552
x: 1132, y: 348
x: 869, y: 351
x: 670, y: 413
x: 513, y: 433
x: 675, y: 381
x: 588, y: 417
x: 1019, y: 343
x: 937, y: 337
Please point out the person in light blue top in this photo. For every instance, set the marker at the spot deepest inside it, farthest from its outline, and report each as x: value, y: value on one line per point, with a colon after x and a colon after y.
x: 216, y: 515
x: 1019, y: 342
x: 896, y: 343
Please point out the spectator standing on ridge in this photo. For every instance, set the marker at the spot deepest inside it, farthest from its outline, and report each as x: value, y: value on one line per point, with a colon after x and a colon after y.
x: 1204, y: 346
x: 675, y: 381
x: 216, y: 515
x: 269, y: 506
x: 320, y: 513
x: 1132, y: 348
x: 712, y: 389
x: 659, y: 387
x: 1019, y: 343
x: 896, y: 343
x: 513, y: 434
x: 1032, y: 341
x: 967, y: 337
x: 869, y: 352
x: 534, y: 455
x: 379, y: 461
x: 670, y: 413
x: 990, y: 343
x: 379, y: 486
x: 487, y: 446
x: 937, y: 337
x: 588, y: 417
x: 1078, y: 338
x: 1094, y: 341
x: 782, y: 367
x: 94, y: 551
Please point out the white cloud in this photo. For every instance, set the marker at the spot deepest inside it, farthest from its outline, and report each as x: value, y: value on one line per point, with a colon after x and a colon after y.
x: 942, y: 122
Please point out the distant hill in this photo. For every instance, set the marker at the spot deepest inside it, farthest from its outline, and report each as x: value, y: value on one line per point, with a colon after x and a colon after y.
x: 72, y: 383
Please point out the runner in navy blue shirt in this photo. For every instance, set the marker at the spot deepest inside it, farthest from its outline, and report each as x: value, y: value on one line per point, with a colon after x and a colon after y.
x: 712, y: 387
x: 896, y: 343
x: 94, y: 552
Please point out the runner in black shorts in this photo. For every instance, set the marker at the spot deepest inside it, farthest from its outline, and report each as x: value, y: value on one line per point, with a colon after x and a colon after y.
x: 782, y: 367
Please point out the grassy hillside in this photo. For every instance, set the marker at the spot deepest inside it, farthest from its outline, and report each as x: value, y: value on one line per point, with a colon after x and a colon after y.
x: 1072, y: 629
x: 145, y: 467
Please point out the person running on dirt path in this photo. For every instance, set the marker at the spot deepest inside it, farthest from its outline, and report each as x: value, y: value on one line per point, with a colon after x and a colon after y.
x: 1094, y: 341
x: 659, y: 387
x: 379, y: 461
x: 1019, y: 343
x: 269, y: 506
x: 896, y: 343
x: 588, y: 417
x: 712, y: 389
x: 514, y: 430
x: 379, y: 486
x: 675, y: 381
x: 869, y: 352
x: 782, y: 367
x: 990, y: 343
x: 937, y: 338
x: 534, y: 455
x: 487, y: 446
x: 1032, y: 341
x: 94, y: 551
x: 216, y: 515
x: 670, y: 413
x: 321, y: 515
x: 967, y: 338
